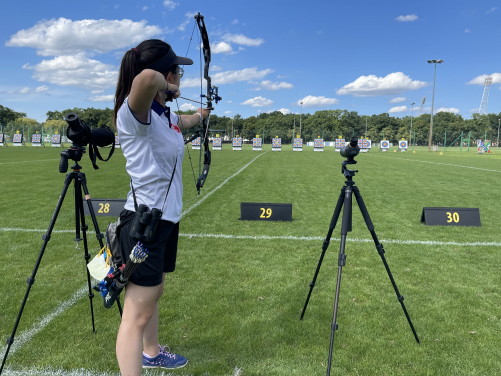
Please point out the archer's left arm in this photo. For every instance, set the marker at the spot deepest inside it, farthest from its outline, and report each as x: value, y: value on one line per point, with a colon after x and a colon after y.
x: 189, y: 121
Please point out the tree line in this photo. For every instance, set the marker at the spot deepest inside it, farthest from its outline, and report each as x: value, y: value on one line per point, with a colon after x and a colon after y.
x: 326, y: 124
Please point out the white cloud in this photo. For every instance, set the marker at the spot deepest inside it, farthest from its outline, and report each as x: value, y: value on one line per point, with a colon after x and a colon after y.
x: 145, y: 7
x: 189, y: 18
x: 491, y: 10
x: 24, y: 90
x: 187, y: 107
x: 67, y: 37
x: 397, y: 100
x: 268, y: 85
x: 279, y: 77
x: 102, y: 98
x: 367, y: 86
x: 480, y: 80
x: 467, y: 30
x: 243, y: 40
x: 41, y: 89
x: 227, y: 112
x: 316, y: 102
x: 170, y: 5
x: 398, y: 109
x: 408, y: 18
x: 97, y: 91
x: 285, y: 111
x: 475, y: 110
x: 215, y: 68
x: 258, y: 102
x: 452, y: 109
x: 229, y: 101
x: 234, y: 22
x: 229, y: 77
x: 221, y: 48
x: 76, y: 71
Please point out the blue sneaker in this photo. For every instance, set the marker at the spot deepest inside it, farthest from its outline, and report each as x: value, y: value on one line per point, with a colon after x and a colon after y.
x: 165, y: 359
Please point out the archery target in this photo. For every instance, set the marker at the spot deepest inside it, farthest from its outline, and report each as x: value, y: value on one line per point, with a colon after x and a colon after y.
x: 298, y: 143
x: 237, y: 141
x: 36, y: 138
x: 319, y: 143
x: 385, y: 144
x: 55, y: 139
x: 17, y: 138
x: 339, y: 143
x: 196, y: 142
x: 1, y: 138
x: 364, y: 144
x: 216, y: 142
x: 402, y: 144
x: 256, y: 142
x: 277, y: 142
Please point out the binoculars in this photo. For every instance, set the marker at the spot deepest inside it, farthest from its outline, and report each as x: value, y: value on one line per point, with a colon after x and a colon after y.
x: 145, y: 224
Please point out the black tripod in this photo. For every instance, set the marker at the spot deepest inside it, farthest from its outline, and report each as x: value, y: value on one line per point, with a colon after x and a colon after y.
x: 80, y: 182
x: 345, y: 198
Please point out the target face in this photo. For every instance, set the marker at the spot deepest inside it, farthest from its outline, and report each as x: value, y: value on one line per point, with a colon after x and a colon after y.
x: 36, y: 138
x: 55, y: 139
x: 363, y: 144
x: 339, y: 143
x: 196, y: 142
x: 17, y: 138
x: 237, y: 141
x: 277, y: 143
x: 117, y: 142
x: 256, y: 142
x: 1, y: 138
x: 403, y: 144
x: 385, y: 144
x: 298, y: 142
x: 319, y: 142
x: 216, y: 141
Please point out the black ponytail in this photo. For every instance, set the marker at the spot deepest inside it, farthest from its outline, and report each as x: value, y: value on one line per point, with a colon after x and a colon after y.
x: 133, y: 62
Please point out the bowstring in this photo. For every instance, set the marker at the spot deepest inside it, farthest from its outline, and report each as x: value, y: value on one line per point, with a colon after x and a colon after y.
x: 201, y: 87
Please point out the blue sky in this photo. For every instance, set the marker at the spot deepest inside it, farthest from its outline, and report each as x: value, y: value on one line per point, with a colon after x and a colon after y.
x: 364, y: 56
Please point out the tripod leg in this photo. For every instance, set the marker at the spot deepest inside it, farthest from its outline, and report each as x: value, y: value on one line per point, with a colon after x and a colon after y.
x: 345, y: 227
x: 79, y: 211
x: 99, y: 236
x: 31, y: 279
x: 380, y: 250
x: 327, y: 240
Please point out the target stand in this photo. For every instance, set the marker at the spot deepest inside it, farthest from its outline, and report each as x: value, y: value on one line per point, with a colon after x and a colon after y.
x: 36, y: 140
x: 402, y: 146
x: 237, y: 143
x: 384, y: 146
x: 276, y: 144
x: 17, y: 140
x: 319, y: 144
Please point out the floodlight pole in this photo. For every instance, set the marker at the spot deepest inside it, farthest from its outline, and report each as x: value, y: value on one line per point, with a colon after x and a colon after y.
x: 433, y: 99
x: 300, y: 119
x: 412, y: 115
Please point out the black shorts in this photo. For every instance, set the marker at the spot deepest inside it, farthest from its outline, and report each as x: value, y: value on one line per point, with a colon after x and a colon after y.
x: 162, y: 251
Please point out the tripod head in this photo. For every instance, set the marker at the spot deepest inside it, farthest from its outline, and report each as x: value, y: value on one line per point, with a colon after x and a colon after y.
x: 75, y: 152
x: 349, y: 151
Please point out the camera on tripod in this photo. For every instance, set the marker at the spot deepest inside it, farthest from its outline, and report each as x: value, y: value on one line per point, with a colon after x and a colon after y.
x: 145, y: 224
x: 80, y: 133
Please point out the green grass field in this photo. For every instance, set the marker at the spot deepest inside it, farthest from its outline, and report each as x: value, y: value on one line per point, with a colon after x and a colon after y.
x: 235, y: 302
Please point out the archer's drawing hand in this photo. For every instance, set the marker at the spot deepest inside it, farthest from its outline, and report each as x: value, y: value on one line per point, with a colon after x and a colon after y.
x: 205, y: 112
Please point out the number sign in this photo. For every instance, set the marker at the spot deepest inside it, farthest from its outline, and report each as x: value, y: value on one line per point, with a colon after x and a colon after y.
x: 251, y: 211
x: 451, y: 217
x: 105, y: 207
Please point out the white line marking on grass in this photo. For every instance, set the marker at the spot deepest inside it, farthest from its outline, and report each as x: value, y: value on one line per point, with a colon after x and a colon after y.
x: 219, y: 186
x: 47, y: 371
x: 38, y: 160
x: 27, y: 335
x: 445, y: 164
x: 289, y: 237
x: 354, y: 240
